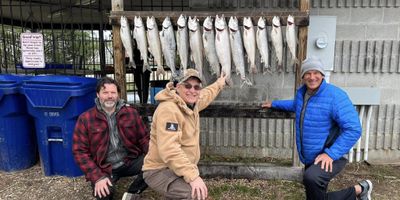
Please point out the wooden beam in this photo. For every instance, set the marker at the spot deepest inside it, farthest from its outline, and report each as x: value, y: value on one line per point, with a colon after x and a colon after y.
x: 227, y: 110
x: 119, y: 53
x: 301, y: 55
x: 301, y: 18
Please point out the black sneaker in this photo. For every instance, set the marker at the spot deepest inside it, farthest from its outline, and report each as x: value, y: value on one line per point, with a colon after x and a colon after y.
x: 367, y: 190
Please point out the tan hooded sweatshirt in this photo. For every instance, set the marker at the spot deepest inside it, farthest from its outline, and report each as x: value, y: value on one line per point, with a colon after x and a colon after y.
x: 174, y: 137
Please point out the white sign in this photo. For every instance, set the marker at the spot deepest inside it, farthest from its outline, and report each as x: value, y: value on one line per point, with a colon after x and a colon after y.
x: 32, y: 50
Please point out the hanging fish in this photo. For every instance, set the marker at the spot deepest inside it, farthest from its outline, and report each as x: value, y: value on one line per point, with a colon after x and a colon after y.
x: 126, y: 38
x: 196, y: 44
x: 155, y: 44
x: 222, y: 47
x: 291, y: 38
x: 249, y: 39
x: 182, y: 41
x: 168, y: 45
x: 237, y: 50
x: 262, y: 43
x: 139, y: 33
x: 209, y: 46
x: 276, y: 37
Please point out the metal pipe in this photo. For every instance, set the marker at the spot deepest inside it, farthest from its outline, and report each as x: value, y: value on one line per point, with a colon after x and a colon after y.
x: 351, y: 151
x: 361, y: 116
x: 369, y: 115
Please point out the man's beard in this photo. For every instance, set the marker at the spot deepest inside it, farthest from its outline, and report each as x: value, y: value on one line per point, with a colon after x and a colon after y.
x: 109, y: 104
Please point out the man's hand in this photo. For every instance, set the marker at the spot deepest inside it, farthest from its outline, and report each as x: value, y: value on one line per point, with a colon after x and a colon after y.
x: 199, y: 189
x: 222, y: 79
x: 326, y: 162
x: 267, y: 104
x: 101, y: 187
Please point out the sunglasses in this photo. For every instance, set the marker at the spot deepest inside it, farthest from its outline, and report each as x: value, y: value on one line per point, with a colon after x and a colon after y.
x: 190, y: 86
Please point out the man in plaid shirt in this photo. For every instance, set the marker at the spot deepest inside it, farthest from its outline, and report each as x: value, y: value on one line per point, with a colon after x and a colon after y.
x: 110, y: 141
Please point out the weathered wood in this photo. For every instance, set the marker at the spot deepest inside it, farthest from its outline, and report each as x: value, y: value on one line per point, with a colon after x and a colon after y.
x: 119, y: 54
x: 303, y: 35
x: 227, y: 110
x: 301, y: 18
x: 301, y: 55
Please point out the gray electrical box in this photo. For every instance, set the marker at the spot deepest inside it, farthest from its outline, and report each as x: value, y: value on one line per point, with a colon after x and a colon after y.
x: 321, y: 39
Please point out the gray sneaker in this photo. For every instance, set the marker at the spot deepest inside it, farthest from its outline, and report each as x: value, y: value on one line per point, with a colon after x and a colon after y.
x: 366, y: 193
x: 130, y: 196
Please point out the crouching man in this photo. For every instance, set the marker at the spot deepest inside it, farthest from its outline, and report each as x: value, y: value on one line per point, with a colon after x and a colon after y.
x: 109, y: 142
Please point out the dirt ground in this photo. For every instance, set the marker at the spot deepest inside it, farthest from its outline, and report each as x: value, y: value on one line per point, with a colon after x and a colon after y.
x: 32, y: 184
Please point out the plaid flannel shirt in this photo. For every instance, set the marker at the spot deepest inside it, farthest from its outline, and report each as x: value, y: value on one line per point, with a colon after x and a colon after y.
x: 91, y: 140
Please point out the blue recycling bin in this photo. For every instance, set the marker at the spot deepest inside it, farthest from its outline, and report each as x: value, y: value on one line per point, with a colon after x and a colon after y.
x: 56, y: 102
x: 155, y: 87
x: 18, y: 149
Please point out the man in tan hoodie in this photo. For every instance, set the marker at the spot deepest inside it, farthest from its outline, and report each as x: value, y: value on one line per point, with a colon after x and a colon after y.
x: 170, y: 167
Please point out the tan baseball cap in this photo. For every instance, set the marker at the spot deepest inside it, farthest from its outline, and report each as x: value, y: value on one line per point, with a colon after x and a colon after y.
x: 188, y: 74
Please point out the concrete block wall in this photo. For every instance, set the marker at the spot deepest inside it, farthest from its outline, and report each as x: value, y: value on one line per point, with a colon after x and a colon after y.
x: 367, y: 54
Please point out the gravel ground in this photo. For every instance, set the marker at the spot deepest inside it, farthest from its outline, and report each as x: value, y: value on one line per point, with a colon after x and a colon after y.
x: 32, y: 184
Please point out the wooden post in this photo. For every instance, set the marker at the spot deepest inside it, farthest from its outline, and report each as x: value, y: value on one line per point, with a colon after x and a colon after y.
x: 301, y: 55
x: 119, y: 53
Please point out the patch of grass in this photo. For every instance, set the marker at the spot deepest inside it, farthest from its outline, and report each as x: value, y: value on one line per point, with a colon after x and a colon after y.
x: 220, y: 191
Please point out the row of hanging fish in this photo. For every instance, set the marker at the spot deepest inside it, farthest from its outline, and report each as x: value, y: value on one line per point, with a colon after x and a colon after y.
x: 220, y: 43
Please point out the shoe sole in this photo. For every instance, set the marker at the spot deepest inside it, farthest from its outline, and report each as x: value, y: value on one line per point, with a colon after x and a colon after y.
x: 125, y: 196
x: 370, y: 189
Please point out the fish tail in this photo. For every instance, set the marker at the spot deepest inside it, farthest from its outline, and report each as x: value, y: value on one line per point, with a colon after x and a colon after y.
x: 160, y: 70
x: 146, y: 66
x: 297, y: 61
x: 253, y: 69
x: 246, y: 82
x: 132, y: 64
x: 267, y: 69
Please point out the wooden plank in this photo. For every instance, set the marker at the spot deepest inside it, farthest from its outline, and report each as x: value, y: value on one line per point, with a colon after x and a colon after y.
x: 119, y: 54
x: 301, y: 18
x: 225, y: 110
x: 301, y: 55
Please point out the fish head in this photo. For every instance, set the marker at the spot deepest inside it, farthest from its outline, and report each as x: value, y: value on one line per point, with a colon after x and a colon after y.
x: 208, y: 24
x: 276, y: 22
x: 166, y: 23
x: 233, y: 24
x: 220, y: 23
x: 290, y: 20
x: 124, y: 22
x: 261, y: 23
x: 181, y: 21
x: 138, y: 21
x: 151, y: 23
x: 247, y: 23
x: 193, y: 24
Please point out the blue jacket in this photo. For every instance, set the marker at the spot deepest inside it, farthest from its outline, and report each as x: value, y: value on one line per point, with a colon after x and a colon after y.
x: 331, y: 124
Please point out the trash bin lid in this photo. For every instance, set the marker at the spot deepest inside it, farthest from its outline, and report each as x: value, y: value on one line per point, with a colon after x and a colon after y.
x: 10, y: 84
x: 60, y: 82
x: 54, y: 91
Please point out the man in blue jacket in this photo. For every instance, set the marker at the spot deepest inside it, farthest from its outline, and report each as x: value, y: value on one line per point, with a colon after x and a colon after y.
x: 327, y: 126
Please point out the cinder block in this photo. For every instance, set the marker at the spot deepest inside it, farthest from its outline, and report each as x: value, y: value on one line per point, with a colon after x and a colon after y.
x: 350, y: 32
x: 388, y: 80
x: 391, y: 16
x: 361, y: 80
x: 381, y: 32
x: 366, y: 15
x: 343, y: 15
x: 390, y: 96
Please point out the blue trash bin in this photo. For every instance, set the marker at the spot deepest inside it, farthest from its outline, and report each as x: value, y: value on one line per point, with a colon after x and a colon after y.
x: 56, y: 102
x: 18, y: 148
x: 155, y: 87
